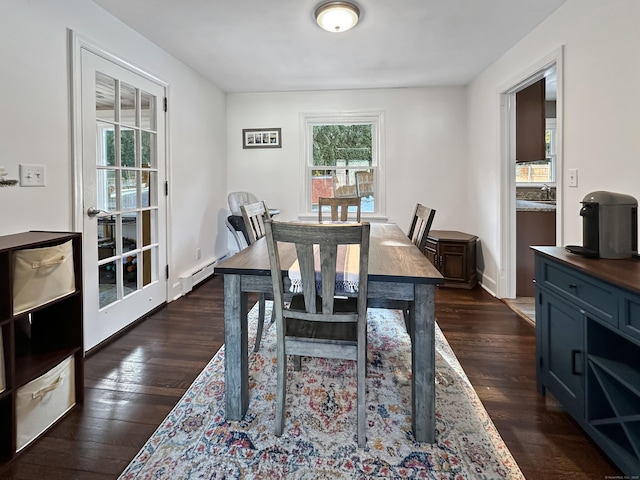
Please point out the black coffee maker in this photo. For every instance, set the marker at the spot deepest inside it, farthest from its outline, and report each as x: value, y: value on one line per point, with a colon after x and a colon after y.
x: 609, y: 226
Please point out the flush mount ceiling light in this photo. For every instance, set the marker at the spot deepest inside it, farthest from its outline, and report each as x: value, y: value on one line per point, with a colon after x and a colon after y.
x: 337, y: 17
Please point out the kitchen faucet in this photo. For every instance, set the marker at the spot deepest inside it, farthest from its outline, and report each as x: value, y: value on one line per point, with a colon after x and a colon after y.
x: 546, y: 191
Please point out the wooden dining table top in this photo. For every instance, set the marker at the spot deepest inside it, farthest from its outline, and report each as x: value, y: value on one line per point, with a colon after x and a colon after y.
x: 392, y: 258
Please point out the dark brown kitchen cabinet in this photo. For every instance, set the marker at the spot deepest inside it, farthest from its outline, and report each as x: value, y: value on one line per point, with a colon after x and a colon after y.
x: 530, y: 123
x: 454, y: 255
x: 532, y: 228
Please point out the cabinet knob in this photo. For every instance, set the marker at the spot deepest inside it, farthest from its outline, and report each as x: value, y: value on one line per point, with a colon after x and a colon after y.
x: 573, y: 285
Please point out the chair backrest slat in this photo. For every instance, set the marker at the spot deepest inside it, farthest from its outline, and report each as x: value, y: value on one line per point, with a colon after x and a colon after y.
x: 328, y: 261
x: 308, y: 274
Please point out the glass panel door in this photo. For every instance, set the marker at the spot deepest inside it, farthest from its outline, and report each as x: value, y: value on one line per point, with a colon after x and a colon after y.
x: 127, y: 195
x: 123, y: 171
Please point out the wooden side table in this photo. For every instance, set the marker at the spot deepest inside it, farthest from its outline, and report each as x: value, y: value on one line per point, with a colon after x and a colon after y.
x: 454, y: 255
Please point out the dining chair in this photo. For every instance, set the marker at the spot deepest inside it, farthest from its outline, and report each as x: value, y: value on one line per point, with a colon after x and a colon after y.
x: 364, y: 183
x: 254, y: 215
x: 320, y: 321
x: 420, y: 225
x: 342, y: 188
x: 339, y: 208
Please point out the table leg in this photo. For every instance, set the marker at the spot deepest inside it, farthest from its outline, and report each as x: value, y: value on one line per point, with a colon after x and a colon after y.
x: 423, y: 356
x: 236, y: 358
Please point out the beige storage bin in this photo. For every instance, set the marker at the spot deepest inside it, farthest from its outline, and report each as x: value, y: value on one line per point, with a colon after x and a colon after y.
x: 42, y: 275
x: 43, y: 401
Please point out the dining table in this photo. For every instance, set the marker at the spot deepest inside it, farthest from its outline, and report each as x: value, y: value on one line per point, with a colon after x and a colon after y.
x: 400, y: 277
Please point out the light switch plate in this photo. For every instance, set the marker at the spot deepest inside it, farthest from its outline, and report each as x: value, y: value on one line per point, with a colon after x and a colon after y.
x: 573, y: 177
x: 31, y: 175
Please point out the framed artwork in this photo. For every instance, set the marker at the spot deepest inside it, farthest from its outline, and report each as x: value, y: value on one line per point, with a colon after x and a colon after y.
x: 261, y: 138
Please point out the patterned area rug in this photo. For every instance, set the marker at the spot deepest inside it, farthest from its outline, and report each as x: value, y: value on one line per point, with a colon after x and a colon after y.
x: 319, y: 440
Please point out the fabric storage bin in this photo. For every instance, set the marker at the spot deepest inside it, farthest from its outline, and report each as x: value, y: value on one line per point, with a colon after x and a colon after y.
x: 44, y: 400
x: 42, y: 275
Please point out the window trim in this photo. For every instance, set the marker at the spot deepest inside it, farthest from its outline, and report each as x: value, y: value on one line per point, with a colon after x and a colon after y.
x: 307, y: 121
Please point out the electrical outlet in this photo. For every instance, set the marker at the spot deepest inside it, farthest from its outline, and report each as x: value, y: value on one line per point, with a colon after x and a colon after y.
x: 198, y: 254
x: 31, y: 175
x: 573, y: 177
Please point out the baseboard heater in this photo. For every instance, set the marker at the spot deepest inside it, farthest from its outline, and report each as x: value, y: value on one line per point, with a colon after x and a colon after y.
x: 187, y: 282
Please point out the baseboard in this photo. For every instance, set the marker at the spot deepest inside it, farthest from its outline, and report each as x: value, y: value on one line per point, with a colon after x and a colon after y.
x: 190, y: 280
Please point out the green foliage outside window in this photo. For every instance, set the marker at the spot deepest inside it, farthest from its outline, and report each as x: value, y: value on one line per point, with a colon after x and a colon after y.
x: 340, y: 142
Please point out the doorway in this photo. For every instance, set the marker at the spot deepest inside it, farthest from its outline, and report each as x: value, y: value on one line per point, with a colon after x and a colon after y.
x: 550, y: 69
x: 121, y: 207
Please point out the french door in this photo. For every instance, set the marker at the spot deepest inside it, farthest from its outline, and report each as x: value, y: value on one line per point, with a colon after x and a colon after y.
x: 124, y: 203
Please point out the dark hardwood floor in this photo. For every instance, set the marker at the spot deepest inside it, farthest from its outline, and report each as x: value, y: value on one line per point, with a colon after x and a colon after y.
x: 132, y: 384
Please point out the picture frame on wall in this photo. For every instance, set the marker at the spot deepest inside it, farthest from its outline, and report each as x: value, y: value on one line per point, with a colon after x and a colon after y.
x: 261, y: 138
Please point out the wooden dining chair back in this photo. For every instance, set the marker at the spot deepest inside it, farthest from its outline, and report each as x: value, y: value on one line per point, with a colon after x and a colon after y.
x: 420, y: 225
x: 339, y: 208
x: 341, y: 186
x: 254, y: 215
x: 364, y: 183
x: 327, y: 316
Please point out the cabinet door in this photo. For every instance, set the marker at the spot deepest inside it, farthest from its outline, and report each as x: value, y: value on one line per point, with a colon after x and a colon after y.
x: 530, y: 123
x: 452, y: 261
x: 562, y: 361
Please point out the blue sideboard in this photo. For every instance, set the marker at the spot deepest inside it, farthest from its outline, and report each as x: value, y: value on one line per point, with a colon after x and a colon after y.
x: 588, y: 346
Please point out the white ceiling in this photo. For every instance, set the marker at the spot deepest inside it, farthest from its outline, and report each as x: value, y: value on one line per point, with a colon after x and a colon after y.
x: 275, y: 45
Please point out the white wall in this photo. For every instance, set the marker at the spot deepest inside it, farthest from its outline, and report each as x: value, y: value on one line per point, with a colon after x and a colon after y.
x: 35, y: 125
x: 425, y: 148
x: 601, y: 114
x: 442, y: 144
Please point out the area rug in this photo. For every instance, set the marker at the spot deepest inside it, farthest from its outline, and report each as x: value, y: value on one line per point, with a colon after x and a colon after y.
x: 319, y: 439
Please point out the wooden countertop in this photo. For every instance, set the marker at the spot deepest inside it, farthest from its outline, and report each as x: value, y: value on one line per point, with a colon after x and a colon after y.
x: 624, y: 273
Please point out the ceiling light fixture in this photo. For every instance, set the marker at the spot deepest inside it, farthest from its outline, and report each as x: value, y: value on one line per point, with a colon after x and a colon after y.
x: 337, y: 17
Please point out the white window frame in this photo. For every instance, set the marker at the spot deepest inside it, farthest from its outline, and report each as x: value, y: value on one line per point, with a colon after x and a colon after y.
x: 376, y: 119
x: 551, y: 124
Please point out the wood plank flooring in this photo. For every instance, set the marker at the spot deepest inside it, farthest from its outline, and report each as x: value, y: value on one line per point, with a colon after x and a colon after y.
x: 132, y: 384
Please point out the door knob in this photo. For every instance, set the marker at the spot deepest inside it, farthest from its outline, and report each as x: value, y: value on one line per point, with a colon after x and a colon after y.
x: 92, y: 211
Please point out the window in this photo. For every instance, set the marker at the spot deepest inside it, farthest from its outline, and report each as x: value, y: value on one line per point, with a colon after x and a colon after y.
x: 342, y: 159
x: 543, y: 171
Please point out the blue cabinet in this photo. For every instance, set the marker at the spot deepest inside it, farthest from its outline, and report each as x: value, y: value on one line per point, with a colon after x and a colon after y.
x: 561, y: 362
x: 588, y: 346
